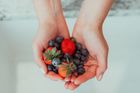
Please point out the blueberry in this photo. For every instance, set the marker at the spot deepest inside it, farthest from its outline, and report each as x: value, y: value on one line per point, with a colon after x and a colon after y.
x: 55, y: 70
x: 59, y: 39
x: 84, y: 52
x: 77, y: 55
x: 56, y: 62
x: 76, y: 61
x: 78, y: 46
x: 51, y: 43
x: 78, y: 52
x: 82, y: 62
x: 83, y: 58
x: 50, y: 67
x: 81, y: 71
x: 80, y: 66
x: 57, y: 45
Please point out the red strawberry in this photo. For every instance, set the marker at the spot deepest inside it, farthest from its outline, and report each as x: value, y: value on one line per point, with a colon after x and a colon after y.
x: 68, y: 46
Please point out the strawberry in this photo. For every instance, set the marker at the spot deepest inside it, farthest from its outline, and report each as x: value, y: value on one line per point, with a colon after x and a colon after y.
x: 65, y: 69
x: 68, y: 46
x: 50, y: 54
x: 48, y: 62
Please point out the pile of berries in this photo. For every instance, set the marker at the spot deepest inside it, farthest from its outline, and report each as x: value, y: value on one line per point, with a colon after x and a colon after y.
x: 65, y: 57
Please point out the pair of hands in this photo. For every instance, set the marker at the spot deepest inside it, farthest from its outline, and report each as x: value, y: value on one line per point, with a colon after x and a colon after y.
x: 92, y: 38
x: 85, y: 31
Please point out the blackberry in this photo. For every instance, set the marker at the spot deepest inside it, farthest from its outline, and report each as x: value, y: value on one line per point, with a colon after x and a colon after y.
x: 80, y: 66
x: 55, y: 70
x: 83, y: 58
x: 78, y: 46
x: 76, y: 61
x: 84, y: 52
x: 78, y: 52
x: 50, y: 67
x: 59, y: 39
x: 77, y: 55
x: 51, y: 43
x: 57, y: 45
x: 81, y: 71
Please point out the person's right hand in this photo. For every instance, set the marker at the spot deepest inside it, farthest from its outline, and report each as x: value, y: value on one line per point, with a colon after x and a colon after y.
x: 49, y: 28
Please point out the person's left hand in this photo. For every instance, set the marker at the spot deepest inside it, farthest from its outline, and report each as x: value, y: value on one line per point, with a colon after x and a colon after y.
x: 91, y: 37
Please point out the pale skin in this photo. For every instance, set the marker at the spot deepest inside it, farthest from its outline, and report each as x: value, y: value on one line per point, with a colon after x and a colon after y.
x: 87, y: 30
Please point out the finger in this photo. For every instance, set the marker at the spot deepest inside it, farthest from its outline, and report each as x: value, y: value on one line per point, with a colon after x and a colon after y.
x: 86, y: 76
x: 72, y: 86
x: 73, y: 78
x: 66, y: 84
x: 38, y: 58
x: 102, y: 66
x: 54, y: 76
x: 67, y: 79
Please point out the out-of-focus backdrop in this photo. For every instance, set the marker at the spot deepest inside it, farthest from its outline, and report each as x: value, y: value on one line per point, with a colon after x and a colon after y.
x: 20, y: 74
x: 23, y: 9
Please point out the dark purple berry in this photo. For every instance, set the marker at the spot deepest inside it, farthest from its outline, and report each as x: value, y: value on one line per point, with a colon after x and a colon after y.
x: 77, y: 55
x: 82, y: 62
x: 51, y: 43
x: 78, y: 46
x: 50, y: 67
x: 76, y: 61
x: 59, y: 39
x: 55, y: 70
x: 81, y: 71
x: 80, y: 66
x: 84, y: 52
x: 78, y: 52
x: 57, y: 45
x: 83, y: 58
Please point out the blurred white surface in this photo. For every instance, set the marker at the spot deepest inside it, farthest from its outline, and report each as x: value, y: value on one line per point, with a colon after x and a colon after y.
x: 19, y: 73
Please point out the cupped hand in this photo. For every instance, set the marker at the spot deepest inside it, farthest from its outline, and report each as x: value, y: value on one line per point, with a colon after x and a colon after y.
x: 92, y: 38
x: 46, y: 32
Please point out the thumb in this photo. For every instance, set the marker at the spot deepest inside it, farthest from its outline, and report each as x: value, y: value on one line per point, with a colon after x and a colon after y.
x: 102, y: 66
x: 39, y: 58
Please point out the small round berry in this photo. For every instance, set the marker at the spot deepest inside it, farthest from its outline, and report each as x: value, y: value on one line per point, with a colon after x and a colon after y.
x: 50, y: 67
x: 83, y: 58
x: 77, y: 55
x: 56, y: 62
x: 78, y: 52
x: 76, y: 61
x: 80, y: 66
x: 84, y: 52
x: 82, y: 62
x: 51, y: 43
x: 59, y: 39
x: 81, y: 71
x: 78, y: 46
x: 57, y: 45
x: 55, y: 70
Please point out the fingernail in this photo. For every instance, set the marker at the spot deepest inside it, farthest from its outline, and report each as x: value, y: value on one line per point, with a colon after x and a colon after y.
x: 76, y: 82
x: 100, y: 77
x: 41, y: 69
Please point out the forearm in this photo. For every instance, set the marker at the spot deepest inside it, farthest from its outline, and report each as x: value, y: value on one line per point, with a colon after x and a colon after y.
x: 94, y: 12
x: 48, y: 10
